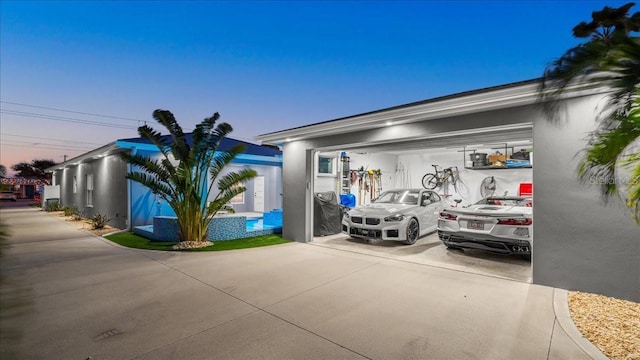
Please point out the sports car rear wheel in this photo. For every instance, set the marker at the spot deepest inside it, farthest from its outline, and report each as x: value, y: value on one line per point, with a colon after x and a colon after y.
x: 413, y: 232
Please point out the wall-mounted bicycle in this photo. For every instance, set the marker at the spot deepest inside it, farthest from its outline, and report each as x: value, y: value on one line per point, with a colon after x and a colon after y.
x: 441, y: 178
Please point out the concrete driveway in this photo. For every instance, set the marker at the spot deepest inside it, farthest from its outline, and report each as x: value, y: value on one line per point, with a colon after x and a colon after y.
x: 67, y: 294
x: 429, y: 250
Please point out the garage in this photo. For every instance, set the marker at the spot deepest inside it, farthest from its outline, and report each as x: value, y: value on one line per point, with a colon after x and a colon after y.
x: 580, y: 242
x: 350, y: 177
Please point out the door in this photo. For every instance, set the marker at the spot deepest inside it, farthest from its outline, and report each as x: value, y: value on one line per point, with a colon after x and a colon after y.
x: 258, y: 194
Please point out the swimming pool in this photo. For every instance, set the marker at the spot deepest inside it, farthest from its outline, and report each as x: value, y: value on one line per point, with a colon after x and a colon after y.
x: 165, y: 228
x: 254, y: 224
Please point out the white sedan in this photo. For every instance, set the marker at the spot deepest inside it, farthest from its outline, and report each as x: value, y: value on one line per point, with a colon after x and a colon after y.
x: 502, y: 224
x: 399, y: 215
x: 8, y: 195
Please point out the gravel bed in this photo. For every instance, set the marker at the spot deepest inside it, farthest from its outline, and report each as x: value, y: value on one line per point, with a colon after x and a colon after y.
x: 612, y: 325
x: 191, y: 245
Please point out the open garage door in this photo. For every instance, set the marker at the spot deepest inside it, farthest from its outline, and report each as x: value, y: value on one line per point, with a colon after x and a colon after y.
x: 364, y: 171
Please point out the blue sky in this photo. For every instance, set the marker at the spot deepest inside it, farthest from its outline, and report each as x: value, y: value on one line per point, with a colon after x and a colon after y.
x: 264, y: 66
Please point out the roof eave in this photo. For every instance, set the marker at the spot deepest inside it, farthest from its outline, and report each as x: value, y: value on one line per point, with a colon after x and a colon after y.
x: 519, y: 94
x: 100, y: 152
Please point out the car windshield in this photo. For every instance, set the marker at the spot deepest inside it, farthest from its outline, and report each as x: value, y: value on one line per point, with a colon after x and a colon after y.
x: 409, y: 197
x: 506, y: 201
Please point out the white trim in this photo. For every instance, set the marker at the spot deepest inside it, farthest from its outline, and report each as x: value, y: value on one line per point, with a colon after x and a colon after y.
x: 499, y: 98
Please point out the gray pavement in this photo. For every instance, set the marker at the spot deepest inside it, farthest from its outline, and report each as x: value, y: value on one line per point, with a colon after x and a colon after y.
x: 67, y: 294
x: 429, y: 250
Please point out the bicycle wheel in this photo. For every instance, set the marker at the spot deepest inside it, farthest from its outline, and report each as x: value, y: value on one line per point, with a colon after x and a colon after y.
x: 430, y: 181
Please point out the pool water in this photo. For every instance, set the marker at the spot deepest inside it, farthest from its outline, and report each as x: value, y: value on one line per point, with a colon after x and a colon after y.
x: 256, y: 224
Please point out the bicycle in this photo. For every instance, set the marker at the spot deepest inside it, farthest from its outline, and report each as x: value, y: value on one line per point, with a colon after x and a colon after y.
x: 441, y: 177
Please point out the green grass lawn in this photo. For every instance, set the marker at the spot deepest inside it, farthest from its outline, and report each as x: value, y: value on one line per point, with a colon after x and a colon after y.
x: 135, y: 241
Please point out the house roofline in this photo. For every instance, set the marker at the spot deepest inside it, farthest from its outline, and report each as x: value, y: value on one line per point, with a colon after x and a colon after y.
x: 486, y: 99
x: 119, y: 146
x: 106, y: 150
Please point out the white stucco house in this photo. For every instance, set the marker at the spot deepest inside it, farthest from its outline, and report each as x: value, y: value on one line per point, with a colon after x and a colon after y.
x: 95, y: 182
x: 580, y: 243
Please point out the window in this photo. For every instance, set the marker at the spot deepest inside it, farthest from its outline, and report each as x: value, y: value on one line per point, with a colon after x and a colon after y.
x: 89, y: 179
x: 75, y: 184
x: 238, y: 199
x: 326, y: 165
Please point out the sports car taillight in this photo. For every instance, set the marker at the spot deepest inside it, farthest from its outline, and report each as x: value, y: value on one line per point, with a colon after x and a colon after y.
x: 447, y: 216
x: 517, y: 222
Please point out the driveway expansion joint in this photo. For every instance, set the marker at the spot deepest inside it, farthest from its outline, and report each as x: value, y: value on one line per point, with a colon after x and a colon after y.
x: 262, y: 309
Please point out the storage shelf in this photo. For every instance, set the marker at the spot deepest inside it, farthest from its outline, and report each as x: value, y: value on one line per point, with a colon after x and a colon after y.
x: 497, y: 167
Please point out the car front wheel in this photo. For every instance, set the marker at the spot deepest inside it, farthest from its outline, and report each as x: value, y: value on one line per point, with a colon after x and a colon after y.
x: 413, y: 232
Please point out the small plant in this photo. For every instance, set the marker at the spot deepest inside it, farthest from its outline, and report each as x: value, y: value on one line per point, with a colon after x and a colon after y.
x: 53, y: 206
x: 70, y: 211
x: 99, y: 221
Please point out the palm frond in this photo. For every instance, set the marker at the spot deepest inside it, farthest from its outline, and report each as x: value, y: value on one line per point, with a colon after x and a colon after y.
x: 223, y: 158
x: 184, y: 176
x: 148, y: 133
x: 154, y: 184
x: 616, y: 132
x: 179, y: 146
x: 147, y: 164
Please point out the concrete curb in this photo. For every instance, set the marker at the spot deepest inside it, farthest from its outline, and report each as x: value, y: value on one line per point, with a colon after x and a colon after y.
x: 563, y: 316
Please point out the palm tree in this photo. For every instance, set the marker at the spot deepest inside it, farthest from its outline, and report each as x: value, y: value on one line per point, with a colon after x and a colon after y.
x: 35, y: 169
x: 187, y: 170
x: 610, y: 58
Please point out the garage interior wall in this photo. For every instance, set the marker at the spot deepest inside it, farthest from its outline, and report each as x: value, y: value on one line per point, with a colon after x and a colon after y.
x: 506, y: 180
x: 407, y: 170
x: 384, y: 162
x: 580, y: 244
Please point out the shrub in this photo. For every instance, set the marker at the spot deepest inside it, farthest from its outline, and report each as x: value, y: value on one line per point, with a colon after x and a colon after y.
x: 99, y: 221
x: 70, y: 211
x: 53, y: 206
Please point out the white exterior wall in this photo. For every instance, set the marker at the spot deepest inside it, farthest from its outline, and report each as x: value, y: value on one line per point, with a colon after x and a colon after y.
x: 580, y: 243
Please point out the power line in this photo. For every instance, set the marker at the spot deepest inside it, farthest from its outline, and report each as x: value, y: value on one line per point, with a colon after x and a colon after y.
x: 66, y: 119
x: 37, y: 145
x: 47, y: 148
x: 48, y: 138
x: 71, y: 111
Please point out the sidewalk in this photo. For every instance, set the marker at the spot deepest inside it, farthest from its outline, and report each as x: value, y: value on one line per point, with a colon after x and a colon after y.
x: 75, y: 295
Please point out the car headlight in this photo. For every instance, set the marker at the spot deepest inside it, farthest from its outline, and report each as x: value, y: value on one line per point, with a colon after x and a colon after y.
x: 346, y: 215
x: 396, y: 217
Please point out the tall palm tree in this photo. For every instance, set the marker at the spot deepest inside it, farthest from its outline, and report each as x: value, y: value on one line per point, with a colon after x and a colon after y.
x: 611, y: 58
x: 187, y: 171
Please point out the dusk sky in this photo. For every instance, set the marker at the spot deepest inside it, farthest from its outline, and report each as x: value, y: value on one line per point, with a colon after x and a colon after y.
x: 76, y: 75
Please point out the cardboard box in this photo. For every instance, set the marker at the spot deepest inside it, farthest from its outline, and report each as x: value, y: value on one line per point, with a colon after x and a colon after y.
x: 496, y: 158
